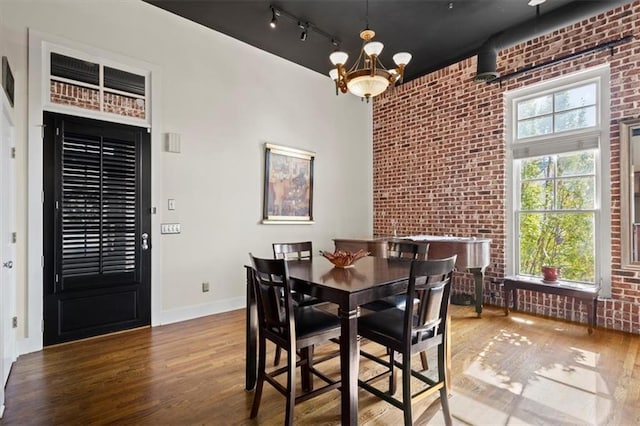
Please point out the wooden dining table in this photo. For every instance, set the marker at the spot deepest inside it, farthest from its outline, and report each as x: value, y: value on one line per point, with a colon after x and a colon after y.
x: 369, y: 279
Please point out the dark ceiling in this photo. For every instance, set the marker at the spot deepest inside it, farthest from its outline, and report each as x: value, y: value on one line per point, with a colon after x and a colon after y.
x: 436, y: 32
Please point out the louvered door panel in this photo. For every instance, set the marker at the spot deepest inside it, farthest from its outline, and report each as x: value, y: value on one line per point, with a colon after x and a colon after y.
x: 119, y: 207
x: 98, y: 210
x: 80, y: 210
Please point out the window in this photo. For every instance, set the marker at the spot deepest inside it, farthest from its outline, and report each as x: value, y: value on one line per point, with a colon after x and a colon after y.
x: 556, y: 215
x: 568, y: 109
x: 557, y: 142
x: 91, y: 85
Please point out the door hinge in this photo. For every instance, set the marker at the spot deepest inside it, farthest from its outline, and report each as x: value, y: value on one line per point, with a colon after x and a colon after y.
x: 14, y: 237
x: 57, y: 278
x: 57, y: 205
x: 42, y: 261
x: 14, y: 322
x: 42, y: 326
x: 42, y: 126
x: 13, y: 152
x: 42, y: 197
x: 57, y: 131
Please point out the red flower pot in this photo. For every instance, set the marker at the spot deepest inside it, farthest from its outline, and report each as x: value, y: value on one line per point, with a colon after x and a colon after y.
x: 550, y: 273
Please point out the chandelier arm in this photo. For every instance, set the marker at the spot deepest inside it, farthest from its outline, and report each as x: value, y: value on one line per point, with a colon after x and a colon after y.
x: 355, y: 65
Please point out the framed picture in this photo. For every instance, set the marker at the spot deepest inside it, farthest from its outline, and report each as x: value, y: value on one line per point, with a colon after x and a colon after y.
x: 288, y: 185
x: 7, y: 79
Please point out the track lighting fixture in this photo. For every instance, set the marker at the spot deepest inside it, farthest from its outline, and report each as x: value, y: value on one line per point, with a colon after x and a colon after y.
x: 304, y: 25
x: 305, y: 28
x: 274, y: 17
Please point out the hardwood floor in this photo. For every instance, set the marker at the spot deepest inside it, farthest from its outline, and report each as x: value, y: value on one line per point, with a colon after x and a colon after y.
x: 520, y: 369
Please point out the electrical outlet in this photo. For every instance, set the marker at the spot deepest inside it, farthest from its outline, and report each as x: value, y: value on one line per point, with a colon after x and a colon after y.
x: 205, y: 287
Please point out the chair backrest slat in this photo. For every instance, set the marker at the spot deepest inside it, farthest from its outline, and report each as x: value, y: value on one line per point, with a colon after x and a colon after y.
x: 291, y: 251
x: 407, y: 250
x: 430, y: 285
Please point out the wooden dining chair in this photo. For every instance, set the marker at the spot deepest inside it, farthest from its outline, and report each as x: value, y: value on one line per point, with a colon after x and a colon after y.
x: 296, y: 329
x: 408, y: 332
x: 294, y: 251
x: 405, y: 251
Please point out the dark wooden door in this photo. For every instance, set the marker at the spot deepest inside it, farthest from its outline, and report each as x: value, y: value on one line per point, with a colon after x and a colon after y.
x: 97, y: 227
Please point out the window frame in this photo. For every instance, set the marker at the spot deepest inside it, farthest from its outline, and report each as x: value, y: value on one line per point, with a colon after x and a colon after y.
x: 572, y: 141
x: 102, y: 61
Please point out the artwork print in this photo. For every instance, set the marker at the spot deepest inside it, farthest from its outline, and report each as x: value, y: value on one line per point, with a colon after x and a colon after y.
x: 288, y: 186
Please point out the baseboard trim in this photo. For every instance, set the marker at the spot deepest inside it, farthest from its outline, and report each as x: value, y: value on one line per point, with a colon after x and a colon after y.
x: 192, y: 312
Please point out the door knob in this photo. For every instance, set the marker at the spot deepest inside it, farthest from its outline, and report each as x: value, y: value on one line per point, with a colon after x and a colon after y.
x: 8, y: 264
x: 145, y: 241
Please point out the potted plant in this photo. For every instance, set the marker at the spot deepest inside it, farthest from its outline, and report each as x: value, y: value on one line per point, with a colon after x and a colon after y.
x: 550, y: 267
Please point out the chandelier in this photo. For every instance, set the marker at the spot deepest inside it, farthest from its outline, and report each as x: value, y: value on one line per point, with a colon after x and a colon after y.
x: 367, y: 77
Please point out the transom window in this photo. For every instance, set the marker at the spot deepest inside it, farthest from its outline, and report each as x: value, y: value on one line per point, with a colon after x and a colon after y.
x: 555, y: 139
x: 567, y: 109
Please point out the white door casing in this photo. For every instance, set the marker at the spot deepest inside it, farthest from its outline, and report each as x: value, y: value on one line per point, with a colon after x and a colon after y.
x: 7, y: 243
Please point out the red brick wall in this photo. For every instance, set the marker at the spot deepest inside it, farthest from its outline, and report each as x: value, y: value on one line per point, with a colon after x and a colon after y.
x: 78, y: 96
x: 439, y: 154
x: 87, y: 98
x: 124, y: 105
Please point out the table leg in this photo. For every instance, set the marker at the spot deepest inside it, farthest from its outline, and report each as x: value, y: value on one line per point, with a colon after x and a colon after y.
x: 251, y: 366
x: 349, y: 361
x: 478, y: 278
x: 592, y: 309
x: 515, y: 298
x: 507, y: 299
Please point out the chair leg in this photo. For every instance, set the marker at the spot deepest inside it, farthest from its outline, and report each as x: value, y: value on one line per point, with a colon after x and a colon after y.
x: 276, y: 358
x: 442, y: 377
x: 257, y: 393
x: 307, y: 378
x: 393, y: 378
x: 406, y: 389
x: 444, y: 400
x: 423, y: 358
x: 291, y: 387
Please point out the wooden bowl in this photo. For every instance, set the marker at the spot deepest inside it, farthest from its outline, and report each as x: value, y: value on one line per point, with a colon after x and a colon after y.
x: 344, y: 259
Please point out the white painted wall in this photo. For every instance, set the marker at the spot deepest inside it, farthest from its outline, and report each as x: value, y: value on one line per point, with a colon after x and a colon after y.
x: 226, y: 99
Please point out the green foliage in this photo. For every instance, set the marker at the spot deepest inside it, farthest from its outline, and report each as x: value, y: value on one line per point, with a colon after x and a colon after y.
x: 556, y: 216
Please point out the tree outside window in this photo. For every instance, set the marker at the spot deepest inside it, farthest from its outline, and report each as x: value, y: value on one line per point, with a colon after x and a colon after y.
x: 556, y: 215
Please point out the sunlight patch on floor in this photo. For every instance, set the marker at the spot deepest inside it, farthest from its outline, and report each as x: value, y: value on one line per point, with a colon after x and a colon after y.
x: 470, y: 411
x: 521, y: 320
x: 564, y: 384
x: 492, y: 377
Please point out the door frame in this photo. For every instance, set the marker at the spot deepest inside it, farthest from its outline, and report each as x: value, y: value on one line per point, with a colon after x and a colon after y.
x: 39, y: 44
x: 8, y: 302
x: 79, y: 291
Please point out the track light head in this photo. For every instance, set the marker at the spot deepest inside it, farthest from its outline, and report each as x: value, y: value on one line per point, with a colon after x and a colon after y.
x: 274, y: 17
x: 305, y: 28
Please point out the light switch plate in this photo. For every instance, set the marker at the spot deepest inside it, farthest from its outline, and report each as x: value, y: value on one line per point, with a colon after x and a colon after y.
x: 169, y: 228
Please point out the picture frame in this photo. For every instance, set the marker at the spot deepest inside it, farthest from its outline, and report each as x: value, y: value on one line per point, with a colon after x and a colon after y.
x: 288, y: 185
x: 7, y: 80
